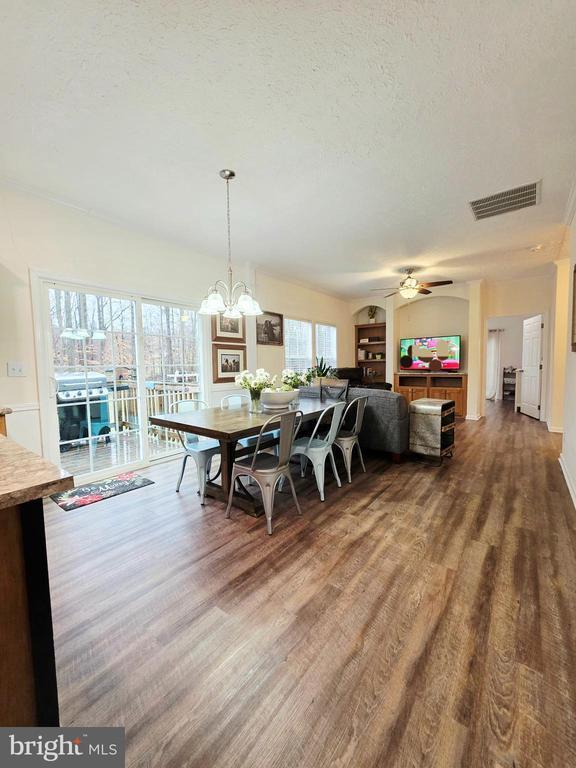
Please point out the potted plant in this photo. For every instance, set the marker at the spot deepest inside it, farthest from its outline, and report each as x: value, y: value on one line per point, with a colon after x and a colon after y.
x: 372, y: 312
x: 255, y: 383
x: 321, y: 371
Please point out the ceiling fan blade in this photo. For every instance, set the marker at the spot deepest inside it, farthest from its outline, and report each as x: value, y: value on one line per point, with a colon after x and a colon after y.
x: 389, y: 288
x: 390, y: 294
x: 436, y: 284
x: 425, y: 291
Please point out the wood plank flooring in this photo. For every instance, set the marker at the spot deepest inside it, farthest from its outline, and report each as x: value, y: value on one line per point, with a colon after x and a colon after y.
x: 422, y: 616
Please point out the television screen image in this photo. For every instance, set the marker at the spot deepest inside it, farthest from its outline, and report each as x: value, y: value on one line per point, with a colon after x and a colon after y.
x: 430, y: 353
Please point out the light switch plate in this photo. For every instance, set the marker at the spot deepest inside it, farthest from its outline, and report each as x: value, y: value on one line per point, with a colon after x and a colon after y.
x: 15, y: 369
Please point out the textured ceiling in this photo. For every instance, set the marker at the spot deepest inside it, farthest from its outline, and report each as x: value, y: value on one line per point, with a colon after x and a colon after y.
x: 359, y: 130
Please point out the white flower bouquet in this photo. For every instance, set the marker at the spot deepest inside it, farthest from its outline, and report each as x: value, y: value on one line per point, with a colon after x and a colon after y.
x: 293, y: 380
x: 255, y: 383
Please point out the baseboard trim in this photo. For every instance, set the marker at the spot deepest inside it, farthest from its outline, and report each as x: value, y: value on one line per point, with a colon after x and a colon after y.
x: 569, y: 482
x: 473, y: 417
x: 556, y: 430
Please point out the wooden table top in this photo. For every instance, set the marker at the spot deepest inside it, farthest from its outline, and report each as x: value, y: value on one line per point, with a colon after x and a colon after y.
x: 232, y: 423
x: 25, y: 476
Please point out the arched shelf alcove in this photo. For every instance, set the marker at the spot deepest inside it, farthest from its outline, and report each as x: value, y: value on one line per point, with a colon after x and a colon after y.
x: 360, y: 314
x: 370, y: 342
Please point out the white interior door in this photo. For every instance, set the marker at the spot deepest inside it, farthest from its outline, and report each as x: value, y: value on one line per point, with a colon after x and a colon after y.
x: 532, y: 366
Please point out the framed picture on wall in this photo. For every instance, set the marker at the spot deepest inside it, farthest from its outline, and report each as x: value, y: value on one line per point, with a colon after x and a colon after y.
x: 573, y: 331
x: 270, y: 329
x: 227, y: 362
x: 228, y: 329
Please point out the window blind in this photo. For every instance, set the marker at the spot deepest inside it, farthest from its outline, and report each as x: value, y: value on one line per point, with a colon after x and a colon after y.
x: 326, y: 343
x: 298, y: 344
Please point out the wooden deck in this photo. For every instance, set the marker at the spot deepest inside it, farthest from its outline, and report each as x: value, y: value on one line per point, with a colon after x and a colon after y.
x: 422, y: 616
x: 121, y: 450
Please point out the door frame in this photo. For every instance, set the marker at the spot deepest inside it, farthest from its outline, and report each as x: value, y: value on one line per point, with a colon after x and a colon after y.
x: 546, y: 346
x: 39, y: 283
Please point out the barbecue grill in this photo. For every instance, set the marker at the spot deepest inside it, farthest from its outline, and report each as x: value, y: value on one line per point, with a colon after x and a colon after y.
x: 75, y: 393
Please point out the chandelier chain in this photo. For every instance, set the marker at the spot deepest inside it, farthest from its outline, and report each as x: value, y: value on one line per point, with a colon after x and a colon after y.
x: 228, y: 223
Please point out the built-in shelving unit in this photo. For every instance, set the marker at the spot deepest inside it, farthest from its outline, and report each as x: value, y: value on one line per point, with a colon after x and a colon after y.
x: 370, y: 339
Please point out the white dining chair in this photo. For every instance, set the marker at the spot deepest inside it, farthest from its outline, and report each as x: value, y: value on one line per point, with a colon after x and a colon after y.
x: 318, y: 449
x: 267, y: 470
x: 201, y: 449
x: 348, y: 436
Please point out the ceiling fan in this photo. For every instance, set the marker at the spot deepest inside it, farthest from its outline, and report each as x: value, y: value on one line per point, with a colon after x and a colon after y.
x: 410, y: 286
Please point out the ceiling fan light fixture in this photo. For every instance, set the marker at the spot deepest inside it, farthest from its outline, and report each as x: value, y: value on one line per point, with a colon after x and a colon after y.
x: 410, y: 282
x: 408, y: 292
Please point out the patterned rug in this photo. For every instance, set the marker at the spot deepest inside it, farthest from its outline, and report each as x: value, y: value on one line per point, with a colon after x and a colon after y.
x: 104, y: 489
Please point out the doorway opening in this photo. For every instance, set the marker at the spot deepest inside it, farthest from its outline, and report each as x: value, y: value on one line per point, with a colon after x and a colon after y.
x: 516, y: 363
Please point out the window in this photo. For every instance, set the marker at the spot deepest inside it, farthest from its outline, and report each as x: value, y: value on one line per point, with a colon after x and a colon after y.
x: 326, y: 343
x: 298, y: 344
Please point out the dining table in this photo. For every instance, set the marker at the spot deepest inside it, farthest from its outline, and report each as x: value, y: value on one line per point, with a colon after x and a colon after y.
x: 228, y: 426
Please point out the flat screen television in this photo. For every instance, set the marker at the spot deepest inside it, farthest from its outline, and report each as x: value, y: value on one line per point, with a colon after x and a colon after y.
x: 430, y: 353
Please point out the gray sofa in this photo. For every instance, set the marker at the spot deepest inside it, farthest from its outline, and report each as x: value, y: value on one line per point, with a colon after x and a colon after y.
x: 386, y: 421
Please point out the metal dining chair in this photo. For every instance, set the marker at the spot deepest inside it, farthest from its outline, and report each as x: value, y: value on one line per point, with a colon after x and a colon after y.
x: 236, y: 401
x: 349, y: 436
x: 317, y: 449
x: 334, y: 389
x: 266, y: 469
x: 201, y: 449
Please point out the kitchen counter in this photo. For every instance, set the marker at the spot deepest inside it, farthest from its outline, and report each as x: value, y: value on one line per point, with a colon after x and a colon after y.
x: 3, y: 413
x: 29, y: 692
x: 25, y: 476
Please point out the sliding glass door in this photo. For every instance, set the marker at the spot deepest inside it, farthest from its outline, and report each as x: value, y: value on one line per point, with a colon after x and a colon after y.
x: 114, y: 361
x: 171, y: 351
x: 95, y: 380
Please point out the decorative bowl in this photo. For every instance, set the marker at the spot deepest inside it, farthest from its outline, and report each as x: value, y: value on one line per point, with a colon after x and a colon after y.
x: 278, y: 401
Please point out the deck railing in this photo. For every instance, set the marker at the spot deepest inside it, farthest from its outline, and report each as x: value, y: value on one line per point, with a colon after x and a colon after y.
x: 159, y: 399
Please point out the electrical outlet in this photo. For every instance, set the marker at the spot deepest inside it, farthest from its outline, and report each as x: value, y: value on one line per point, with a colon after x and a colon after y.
x: 15, y: 369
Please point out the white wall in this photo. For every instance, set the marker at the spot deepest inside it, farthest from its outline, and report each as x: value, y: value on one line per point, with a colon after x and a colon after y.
x: 568, y: 457
x: 299, y: 302
x: 559, y: 341
x: 522, y: 296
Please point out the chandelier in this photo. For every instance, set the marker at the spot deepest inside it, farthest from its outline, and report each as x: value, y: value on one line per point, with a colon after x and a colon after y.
x: 231, y: 299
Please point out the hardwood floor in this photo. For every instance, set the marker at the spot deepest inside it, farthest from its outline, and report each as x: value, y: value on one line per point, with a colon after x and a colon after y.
x: 422, y: 616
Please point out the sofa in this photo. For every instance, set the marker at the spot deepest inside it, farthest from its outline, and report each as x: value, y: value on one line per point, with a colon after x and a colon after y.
x: 386, y: 425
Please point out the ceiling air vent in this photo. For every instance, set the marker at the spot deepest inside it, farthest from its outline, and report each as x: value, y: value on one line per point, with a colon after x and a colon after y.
x: 503, y: 202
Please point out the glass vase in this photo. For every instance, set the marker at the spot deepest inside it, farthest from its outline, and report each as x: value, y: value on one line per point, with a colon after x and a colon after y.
x: 255, y: 406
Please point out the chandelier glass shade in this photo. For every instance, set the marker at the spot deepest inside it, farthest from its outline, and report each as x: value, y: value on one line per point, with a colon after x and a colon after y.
x: 409, y: 288
x: 231, y: 299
